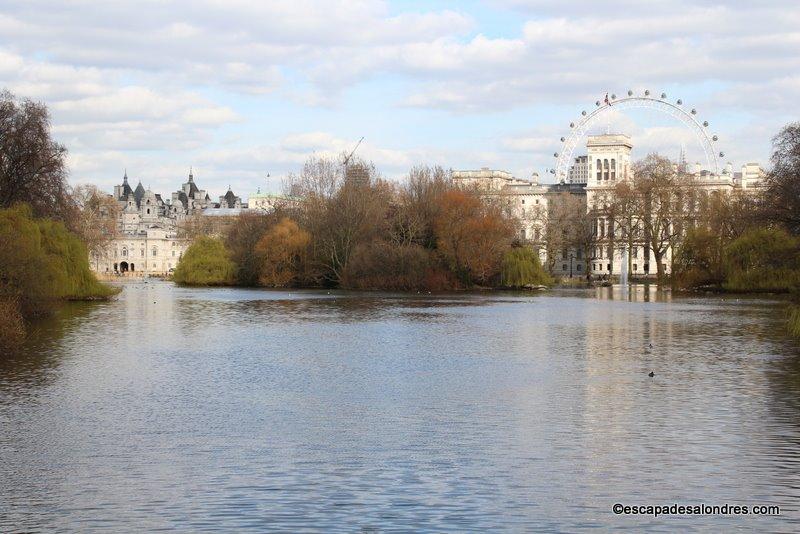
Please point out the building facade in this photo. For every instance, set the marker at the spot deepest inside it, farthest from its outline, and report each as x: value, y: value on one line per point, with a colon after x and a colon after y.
x: 149, y: 239
x: 592, y: 179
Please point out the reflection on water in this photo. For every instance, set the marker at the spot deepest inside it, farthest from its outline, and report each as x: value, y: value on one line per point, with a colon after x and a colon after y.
x: 231, y: 409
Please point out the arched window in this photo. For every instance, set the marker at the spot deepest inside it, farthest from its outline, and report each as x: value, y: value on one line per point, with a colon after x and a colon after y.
x: 605, y: 168
x: 613, y: 169
x: 599, y: 170
x: 148, y: 211
x: 124, y: 252
x: 155, y: 251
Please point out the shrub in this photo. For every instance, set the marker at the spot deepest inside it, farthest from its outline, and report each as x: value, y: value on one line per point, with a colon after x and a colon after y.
x: 699, y: 260
x: 765, y: 259
x: 382, y: 265
x: 521, y: 267
x: 12, y: 326
x: 241, y: 240
x: 281, y: 250
x: 205, y: 263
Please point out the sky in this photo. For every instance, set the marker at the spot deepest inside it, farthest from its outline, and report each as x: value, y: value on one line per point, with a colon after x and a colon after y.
x: 244, y: 92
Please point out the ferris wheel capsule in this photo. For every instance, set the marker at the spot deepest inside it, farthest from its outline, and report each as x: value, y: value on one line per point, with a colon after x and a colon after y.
x: 694, y: 111
x: 597, y: 103
x: 647, y: 92
x: 680, y: 101
x: 613, y: 97
x: 572, y: 125
x: 555, y: 154
x: 663, y: 95
x: 630, y: 93
x: 705, y: 123
x: 563, y: 139
x: 583, y: 112
x: 722, y: 154
x: 715, y: 138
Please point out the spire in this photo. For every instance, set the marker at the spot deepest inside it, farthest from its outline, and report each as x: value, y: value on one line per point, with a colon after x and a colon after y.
x: 191, y: 176
x: 125, y: 178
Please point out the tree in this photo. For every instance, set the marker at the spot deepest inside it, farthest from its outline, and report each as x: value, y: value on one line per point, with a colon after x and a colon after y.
x: 242, y: 239
x: 521, y: 267
x: 32, y: 165
x: 567, y: 227
x: 648, y: 208
x: 96, y: 221
x: 782, y: 193
x: 340, y: 214
x: 282, y: 249
x: 417, y: 206
x: 41, y: 262
x: 472, y: 236
x: 205, y: 263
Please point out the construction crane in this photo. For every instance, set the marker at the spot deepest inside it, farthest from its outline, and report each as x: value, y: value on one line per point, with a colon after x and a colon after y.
x: 350, y: 155
x: 347, y: 158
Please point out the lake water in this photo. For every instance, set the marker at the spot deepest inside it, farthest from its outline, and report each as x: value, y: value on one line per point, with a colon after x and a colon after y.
x: 247, y: 410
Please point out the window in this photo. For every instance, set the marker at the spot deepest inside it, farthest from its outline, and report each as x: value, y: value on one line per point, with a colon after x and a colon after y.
x: 635, y: 252
x: 599, y: 171
x: 536, y: 201
x: 635, y: 267
x: 523, y: 201
x: 173, y: 253
x: 608, y: 268
x: 155, y: 251
x: 613, y: 169
x: 148, y: 211
x: 579, y: 268
x: 605, y: 169
x: 124, y: 252
x: 579, y: 254
x: 564, y: 254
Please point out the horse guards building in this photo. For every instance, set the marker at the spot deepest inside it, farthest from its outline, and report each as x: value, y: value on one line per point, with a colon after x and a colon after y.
x: 149, y: 240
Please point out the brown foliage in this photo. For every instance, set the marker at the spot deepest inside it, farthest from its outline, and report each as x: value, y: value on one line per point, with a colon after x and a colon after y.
x: 472, y: 236
x: 383, y: 265
x: 12, y: 326
x: 282, y: 250
x: 243, y: 236
x: 96, y: 221
x: 339, y: 214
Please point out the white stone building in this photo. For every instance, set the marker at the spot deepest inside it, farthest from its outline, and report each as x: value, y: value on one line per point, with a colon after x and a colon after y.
x: 593, y: 177
x: 148, y: 242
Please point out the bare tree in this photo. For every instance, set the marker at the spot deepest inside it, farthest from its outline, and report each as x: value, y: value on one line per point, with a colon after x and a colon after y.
x: 339, y: 213
x: 567, y: 227
x: 651, y: 202
x: 782, y: 195
x: 32, y: 165
x: 97, y: 219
